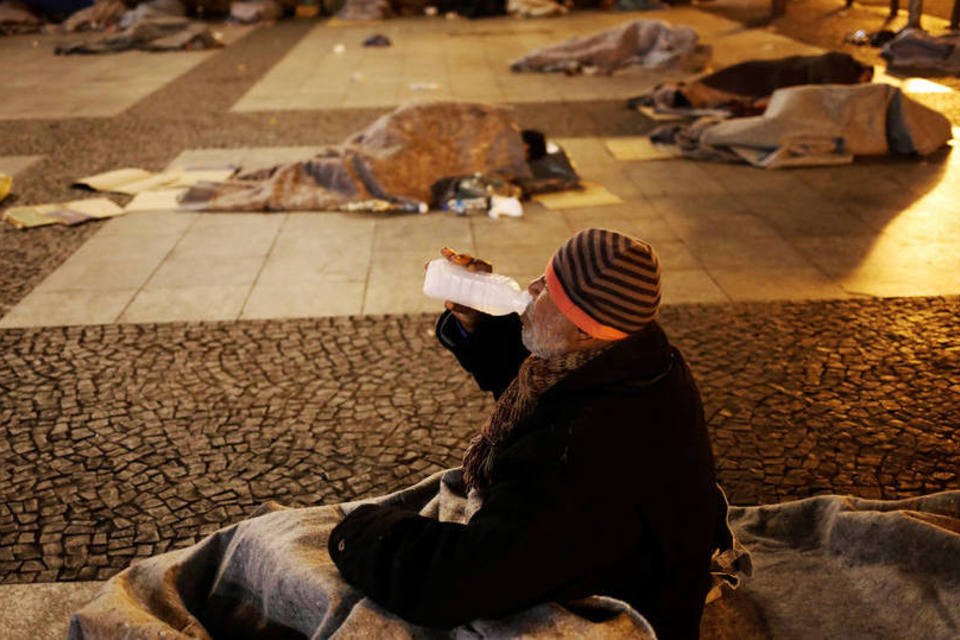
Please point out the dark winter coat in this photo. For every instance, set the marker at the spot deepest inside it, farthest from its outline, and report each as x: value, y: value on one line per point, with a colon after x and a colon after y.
x: 608, y: 488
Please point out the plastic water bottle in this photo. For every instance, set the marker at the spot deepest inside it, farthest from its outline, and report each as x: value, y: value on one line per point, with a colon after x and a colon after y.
x: 490, y: 293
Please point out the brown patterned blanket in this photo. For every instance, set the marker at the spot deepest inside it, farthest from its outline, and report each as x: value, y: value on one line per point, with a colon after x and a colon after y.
x: 390, y: 165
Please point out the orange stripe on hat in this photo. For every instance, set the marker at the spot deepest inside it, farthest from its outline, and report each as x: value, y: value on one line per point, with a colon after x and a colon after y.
x: 575, y: 314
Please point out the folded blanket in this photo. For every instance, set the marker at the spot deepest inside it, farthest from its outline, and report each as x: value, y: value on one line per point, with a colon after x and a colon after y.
x: 821, y: 124
x: 647, y: 43
x: 917, y: 49
x: 824, y: 567
x: 391, y: 163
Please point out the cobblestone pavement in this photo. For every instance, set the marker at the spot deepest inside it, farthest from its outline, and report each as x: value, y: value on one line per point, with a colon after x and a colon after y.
x: 124, y: 441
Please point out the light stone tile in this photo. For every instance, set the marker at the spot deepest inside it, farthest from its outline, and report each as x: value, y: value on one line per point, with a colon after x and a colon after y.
x: 539, y: 227
x: 671, y: 177
x: 675, y: 255
x: 132, y: 226
x: 259, y: 223
x: 836, y: 256
x: 152, y: 249
x: 326, y: 233
x: 12, y: 165
x: 795, y: 216
x: 395, y: 284
x: 230, y: 234
x: 188, y: 304
x: 632, y: 210
x: 652, y: 230
x: 694, y: 205
x: 741, y: 179
x: 387, y: 297
x: 67, y: 308
x: 423, y: 233
x: 698, y: 226
x: 523, y: 263
x: 800, y: 283
x: 339, y: 263
x: 303, y: 300
x: 101, y: 274
x: 690, y: 286
x: 330, y: 224
x: 210, y: 271
x: 735, y: 251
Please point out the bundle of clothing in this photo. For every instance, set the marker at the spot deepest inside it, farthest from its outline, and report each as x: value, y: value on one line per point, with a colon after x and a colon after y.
x: 646, y: 43
x: 816, y: 125
x: 393, y: 164
x: 253, y: 11
x: 156, y: 25
x: 917, y: 49
x: 366, y: 10
x: 744, y: 89
x: 381, y: 9
x: 829, y: 566
x: 536, y: 8
x: 99, y: 16
x: 16, y: 18
x: 153, y: 34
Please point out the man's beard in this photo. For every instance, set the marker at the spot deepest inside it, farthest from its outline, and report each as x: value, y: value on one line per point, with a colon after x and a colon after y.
x: 545, y: 340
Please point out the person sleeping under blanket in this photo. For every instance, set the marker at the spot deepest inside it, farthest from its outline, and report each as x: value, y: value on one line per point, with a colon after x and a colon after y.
x: 744, y: 88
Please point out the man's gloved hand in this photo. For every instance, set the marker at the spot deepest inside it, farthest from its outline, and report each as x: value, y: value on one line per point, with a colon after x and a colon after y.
x: 467, y: 316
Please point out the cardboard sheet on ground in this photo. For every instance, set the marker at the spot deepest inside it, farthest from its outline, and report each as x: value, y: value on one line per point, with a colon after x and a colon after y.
x: 67, y: 213
x: 160, y: 200
x: 132, y: 181
x: 640, y: 148
x: 592, y: 195
x: 652, y: 114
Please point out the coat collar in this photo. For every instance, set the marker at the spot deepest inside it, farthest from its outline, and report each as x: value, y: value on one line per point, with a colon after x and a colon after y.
x: 637, y: 360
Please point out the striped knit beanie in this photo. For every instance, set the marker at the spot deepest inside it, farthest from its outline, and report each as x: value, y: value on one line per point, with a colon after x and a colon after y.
x: 606, y: 283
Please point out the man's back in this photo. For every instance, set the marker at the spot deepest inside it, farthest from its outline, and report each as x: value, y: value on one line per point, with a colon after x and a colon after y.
x: 620, y: 451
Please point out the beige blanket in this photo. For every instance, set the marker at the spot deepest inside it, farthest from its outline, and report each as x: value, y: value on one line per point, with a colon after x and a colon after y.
x: 827, y: 124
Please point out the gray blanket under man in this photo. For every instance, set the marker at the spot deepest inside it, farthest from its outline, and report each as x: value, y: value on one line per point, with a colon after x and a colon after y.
x: 825, y: 567
x: 821, y: 125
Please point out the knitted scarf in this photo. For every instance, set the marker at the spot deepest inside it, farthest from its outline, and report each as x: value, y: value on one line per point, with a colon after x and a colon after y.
x: 517, y: 402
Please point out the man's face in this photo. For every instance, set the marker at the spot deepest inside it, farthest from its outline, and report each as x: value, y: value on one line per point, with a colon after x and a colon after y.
x: 546, y: 332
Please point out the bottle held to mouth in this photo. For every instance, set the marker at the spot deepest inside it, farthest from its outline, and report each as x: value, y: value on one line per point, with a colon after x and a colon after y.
x: 490, y: 293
